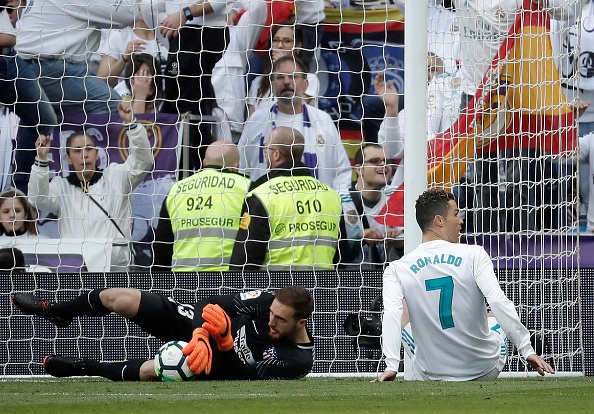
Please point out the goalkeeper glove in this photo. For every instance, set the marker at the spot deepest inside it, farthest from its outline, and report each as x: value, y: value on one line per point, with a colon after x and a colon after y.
x: 199, y: 352
x: 218, y: 324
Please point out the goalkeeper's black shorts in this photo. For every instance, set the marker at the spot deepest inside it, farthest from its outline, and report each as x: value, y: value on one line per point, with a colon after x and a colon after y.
x: 164, y: 318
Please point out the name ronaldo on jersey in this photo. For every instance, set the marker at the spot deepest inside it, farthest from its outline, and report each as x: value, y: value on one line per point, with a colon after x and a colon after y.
x: 434, y: 260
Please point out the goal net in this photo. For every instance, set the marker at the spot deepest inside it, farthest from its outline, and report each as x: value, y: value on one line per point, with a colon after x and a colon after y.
x: 504, y: 89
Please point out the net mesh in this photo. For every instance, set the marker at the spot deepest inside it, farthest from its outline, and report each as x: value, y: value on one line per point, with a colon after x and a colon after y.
x: 503, y: 85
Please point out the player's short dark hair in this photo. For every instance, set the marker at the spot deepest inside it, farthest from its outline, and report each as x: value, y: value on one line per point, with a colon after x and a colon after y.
x: 12, y: 260
x: 298, y: 298
x: 432, y: 203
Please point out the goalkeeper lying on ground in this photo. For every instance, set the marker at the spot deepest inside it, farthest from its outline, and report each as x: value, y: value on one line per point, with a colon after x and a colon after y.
x: 248, y: 336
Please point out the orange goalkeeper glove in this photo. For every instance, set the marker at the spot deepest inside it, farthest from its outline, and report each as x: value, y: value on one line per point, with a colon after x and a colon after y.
x: 218, y: 324
x: 199, y: 352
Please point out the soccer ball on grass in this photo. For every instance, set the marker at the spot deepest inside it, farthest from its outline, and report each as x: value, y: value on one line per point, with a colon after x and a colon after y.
x: 170, y: 362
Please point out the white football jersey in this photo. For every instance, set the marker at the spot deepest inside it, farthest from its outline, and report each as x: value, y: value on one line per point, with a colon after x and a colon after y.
x: 484, y: 24
x: 445, y: 285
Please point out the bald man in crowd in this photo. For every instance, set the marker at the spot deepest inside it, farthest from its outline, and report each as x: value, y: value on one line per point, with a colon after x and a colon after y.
x: 291, y: 220
x: 200, y: 217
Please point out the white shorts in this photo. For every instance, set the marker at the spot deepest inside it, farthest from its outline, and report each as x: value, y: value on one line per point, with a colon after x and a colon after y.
x: 499, y: 334
x: 412, y: 374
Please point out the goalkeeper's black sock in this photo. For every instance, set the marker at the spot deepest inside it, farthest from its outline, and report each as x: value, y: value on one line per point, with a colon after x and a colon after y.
x: 115, y: 371
x: 88, y: 305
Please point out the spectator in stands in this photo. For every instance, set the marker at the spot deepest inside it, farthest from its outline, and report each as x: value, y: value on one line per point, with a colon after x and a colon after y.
x: 17, y: 216
x: 443, y: 109
x: 443, y: 35
x: 374, y: 106
x: 443, y: 103
x: 453, y: 336
x: 285, y: 40
x: 19, y: 87
x: 372, y: 243
x: 568, y: 41
x: 198, y: 36
x: 291, y: 220
x: 309, y: 18
x: 391, y: 131
x: 90, y: 202
x: 119, y: 45
x: 435, y: 66
x: 269, y: 330
x: 249, y: 33
x: 12, y: 260
x: 200, y: 216
x: 57, y: 39
x: 324, y: 152
x: 483, y: 27
x: 142, y: 83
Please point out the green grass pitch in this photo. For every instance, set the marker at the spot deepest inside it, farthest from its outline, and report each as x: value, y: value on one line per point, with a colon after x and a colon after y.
x: 310, y: 395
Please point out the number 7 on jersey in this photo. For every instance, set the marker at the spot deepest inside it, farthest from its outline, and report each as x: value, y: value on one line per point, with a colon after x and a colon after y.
x: 445, y: 285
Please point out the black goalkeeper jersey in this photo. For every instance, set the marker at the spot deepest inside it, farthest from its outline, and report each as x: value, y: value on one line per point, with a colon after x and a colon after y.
x: 254, y: 355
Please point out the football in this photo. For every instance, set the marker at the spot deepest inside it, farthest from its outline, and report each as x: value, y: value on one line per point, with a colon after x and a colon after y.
x: 170, y: 362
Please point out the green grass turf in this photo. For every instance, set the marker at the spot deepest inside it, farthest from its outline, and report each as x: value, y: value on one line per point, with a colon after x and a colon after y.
x: 311, y: 395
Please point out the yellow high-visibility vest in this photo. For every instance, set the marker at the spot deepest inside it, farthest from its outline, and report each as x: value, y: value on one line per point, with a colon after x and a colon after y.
x: 304, y: 216
x: 205, y: 210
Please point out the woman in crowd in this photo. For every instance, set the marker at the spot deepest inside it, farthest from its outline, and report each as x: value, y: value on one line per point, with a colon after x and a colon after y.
x: 286, y: 39
x: 118, y: 46
x: 17, y: 217
x: 142, y: 83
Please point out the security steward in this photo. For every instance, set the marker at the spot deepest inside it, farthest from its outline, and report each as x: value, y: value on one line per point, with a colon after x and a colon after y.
x: 199, y: 218
x: 291, y: 220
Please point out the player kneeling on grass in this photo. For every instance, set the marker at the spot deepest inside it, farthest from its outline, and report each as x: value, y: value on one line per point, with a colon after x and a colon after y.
x: 445, y: 285
x: 248, y: 336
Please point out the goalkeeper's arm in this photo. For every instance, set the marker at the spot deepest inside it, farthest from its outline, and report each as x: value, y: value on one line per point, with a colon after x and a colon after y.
x: 249, y: 304
x: 296, y: 366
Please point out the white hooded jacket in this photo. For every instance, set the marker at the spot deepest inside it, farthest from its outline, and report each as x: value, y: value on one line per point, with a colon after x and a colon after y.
x: 79, y: 216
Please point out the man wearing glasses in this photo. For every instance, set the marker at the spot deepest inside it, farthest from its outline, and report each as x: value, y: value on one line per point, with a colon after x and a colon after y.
x: 372, y: 244
x: 323, y: 151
